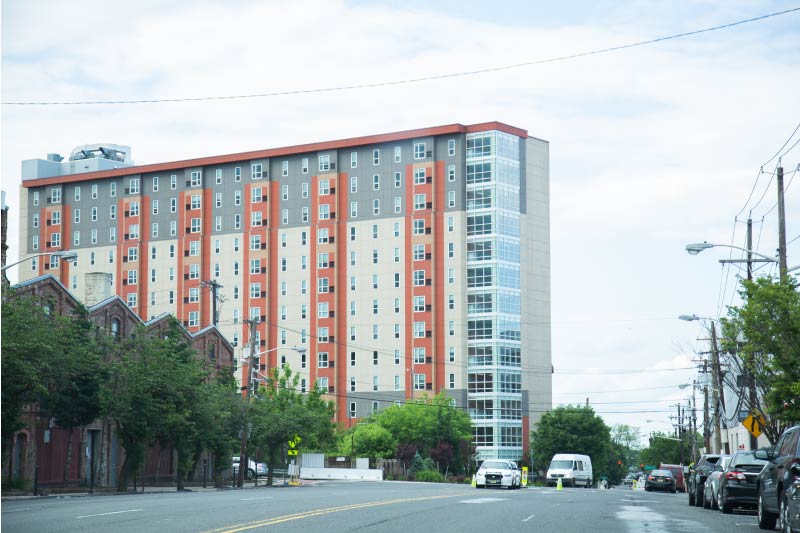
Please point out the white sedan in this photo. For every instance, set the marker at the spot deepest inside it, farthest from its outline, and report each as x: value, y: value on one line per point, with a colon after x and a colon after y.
x: 498, y: 473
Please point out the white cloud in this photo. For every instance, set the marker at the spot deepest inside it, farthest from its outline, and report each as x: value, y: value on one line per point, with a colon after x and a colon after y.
x: 651, y: 147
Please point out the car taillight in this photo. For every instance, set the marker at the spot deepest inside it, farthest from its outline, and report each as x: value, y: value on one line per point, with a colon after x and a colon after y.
x: 735, y: 475
x: 651, y: 478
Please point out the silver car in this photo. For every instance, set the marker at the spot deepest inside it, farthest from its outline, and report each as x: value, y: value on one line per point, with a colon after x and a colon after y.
x: 498, y: 473
x: 711, y: 488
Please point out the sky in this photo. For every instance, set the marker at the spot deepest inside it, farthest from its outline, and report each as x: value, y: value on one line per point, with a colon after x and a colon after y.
x: 651, y: 147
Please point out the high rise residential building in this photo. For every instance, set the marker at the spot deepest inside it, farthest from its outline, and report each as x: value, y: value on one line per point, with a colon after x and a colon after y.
x: 402, y: 264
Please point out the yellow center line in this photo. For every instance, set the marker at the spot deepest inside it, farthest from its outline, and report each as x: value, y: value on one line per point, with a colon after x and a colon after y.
x: 318, y: 512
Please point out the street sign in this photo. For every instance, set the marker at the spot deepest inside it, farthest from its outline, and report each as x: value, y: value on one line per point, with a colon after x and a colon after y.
x: 291, y: 452
x: 753, y: 424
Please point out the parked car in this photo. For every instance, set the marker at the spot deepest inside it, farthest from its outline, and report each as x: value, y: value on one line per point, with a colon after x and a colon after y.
x: 660, y: 480
x: 498, y: 473
x: 677, y: 473
x: 573, y: 469
x: 711, y: 486
x: 697, y: 477
x: 253, y: 468
x: 790, y: 511
x: 737, y: 487
x: 777, y: 477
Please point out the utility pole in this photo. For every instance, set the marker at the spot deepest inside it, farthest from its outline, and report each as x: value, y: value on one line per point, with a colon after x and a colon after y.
x: 214, y: 288
x: 250, y: 385
x: 749, y: 373
x: 680, y: 431
x: 694, y: 425
x: 781, y: 229
x: 717, y: 388
x: 706, y: 425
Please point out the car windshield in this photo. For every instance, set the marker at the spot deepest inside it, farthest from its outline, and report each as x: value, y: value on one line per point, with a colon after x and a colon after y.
x: 495, y: 464
x: 567, y: 465
x: 746, y: 459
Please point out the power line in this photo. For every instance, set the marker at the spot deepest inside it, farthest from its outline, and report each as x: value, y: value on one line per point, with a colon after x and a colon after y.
x: 414, y: 80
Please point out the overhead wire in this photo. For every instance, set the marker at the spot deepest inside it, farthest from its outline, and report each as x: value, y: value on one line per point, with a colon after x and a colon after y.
x: 411, y: 80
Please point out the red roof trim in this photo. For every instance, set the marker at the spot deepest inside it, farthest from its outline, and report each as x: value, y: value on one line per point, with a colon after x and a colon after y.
x: 277, y: 152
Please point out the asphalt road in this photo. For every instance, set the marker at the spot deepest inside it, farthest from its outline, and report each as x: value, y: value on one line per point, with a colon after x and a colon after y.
x: 372, y: 506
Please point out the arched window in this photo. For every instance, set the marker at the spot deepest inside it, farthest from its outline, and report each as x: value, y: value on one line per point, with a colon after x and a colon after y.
x: 115, y: 328
x: 212, y: 355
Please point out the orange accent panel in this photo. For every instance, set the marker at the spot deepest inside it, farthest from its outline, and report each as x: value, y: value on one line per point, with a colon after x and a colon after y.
x: 409, y: 283
x: 340, y: 305
x: 144, y: 256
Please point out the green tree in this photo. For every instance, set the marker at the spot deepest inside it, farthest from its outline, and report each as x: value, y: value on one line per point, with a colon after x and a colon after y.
x: 74, y: 380
x: 764, y: 336
x: 279, y: 412
x: 428, y: 423
x: 30, y: 343
x: 368, y: 440
x: 151, y: 391
x: 572, y: 430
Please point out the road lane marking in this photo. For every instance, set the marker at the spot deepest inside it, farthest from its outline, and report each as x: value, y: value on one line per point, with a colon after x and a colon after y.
x: 531, y: 516
x: 484, y: 500
x: 106, y: 514
x: 319, y: 512
x: 251, y: 499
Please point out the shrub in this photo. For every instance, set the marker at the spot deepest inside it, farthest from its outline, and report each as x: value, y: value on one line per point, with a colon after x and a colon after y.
x: 429, y: 476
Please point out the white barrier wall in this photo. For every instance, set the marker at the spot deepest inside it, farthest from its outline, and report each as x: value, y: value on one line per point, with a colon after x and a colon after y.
x: 341, y: 473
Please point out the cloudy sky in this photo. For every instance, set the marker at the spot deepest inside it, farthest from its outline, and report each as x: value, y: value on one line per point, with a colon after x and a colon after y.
x: 651, y: 147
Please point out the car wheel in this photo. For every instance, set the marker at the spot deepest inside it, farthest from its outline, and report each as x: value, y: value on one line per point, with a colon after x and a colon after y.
x: 766, y: 520
x: 706, y: 502
x: 714, y: 506
x: 691, y: 496
x: 698, y: 497
x: 785, y: 525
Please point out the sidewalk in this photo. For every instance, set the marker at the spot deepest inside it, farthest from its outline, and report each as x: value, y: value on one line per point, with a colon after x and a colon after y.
x: 79, y: 492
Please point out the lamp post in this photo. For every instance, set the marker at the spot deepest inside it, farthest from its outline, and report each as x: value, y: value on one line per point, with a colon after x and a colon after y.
x: 250, y: 388
x: 64, y: 255
x: 696, y: 248
x: 716, y: 376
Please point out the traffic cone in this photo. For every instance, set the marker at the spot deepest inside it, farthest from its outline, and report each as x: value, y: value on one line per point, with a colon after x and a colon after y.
x: 559, y: 485
x: 474, y: 484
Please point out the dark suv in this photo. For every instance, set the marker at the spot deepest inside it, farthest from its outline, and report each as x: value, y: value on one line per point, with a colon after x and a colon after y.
x: 777, y: 476
x: 695, y: 484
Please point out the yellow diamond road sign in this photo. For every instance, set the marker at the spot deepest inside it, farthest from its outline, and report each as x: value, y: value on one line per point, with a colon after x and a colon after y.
x: 291, y: 452
x: 754, y: 424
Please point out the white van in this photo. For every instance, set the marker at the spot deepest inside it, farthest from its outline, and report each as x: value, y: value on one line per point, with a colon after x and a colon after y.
x: 573, y: 469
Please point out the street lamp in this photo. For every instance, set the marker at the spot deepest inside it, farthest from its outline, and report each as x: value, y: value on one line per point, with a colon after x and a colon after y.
x: 65, y: 255
x: 696, y: 248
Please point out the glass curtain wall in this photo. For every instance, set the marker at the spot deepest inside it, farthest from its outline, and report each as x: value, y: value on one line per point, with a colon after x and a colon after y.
x: 494, y: 366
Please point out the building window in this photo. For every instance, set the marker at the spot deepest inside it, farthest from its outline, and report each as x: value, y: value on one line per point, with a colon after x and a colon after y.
x: 451, y: 173
x: 353, y: 209
x: 304, y: 214
x: 237, y: 197
x: 194, y: 319
x: 419, y: 330
x: 304, y: 189
x: 94, y: 194
x: 322, y: 360
x: 397, y: 204
x: 376, y: 207
x: 284, y: 168
x: 353, y: 183
x: 324, y: 211
x: 324, y: 187
x: 132, y: 300
x: 451, y: 147
x: 154, y: 229
x: 324, y: 163
x: 284, y: 192
x: 173, y: 182
x: 255, y: 218
x: 451, y: 198
x: 77, y: 194
x: 419, y: 201
x: 419, y: 226
x: 397, y: 383
x: 419, y: 381
x: 397, y: 154
x: 304, y: 166
x: 194, y: 295
x: 76, y: 238
x: 419, y: 150
x: 376, y: 182
x: 376, y: 156
x: 419, y: 278
x: 112, y: 191
x: 419, y: 252
x: 256, y: 171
